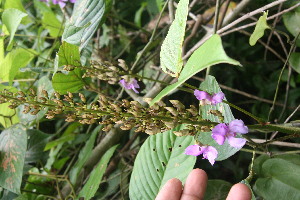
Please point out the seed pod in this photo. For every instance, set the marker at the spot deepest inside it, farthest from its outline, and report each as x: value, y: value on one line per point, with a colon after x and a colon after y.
x: 32, y: 92
x: 35, y: 112
x: 177, y: 104
x: 57, y: 95
x: 45, y: 93
x: 21, y: 98
x: 70, y: 95
x: 183, y: 132
x: 21, y: 94
x: 193, y: 110
x: 26, y: 109
x: 43, y: 99
x: 125, y: 103
x: 172, y: 111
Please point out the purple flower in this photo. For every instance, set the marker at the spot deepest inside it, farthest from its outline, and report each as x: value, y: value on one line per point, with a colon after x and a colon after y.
x: 213, y: 99
x: 130, y: 85
x: 72, y: 1
x: 222, y: 131
x: 210, y: 153
x: 61, y: 3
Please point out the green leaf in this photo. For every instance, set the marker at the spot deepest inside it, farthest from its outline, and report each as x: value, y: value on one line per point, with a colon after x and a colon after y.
x: 52, y: 24
x: 210, y: 85
x: 279, y: 178
x: 291, y: 21
x: 90, y: 188
x: 13, y: 61
x: 83, y: 156
x: 13, y: 143
x: 210, y: 53
x: 36, y: 144
x: 84, y: 21
x: 68, y: 54
x: 295, y: 61
x: 259, y: 30
x: 61, y: 140
x: 8, y: 116
x: 171, y: 49
x: 217, y: 190
x: 71, y: 82
x: 160, y: 158
x: 11, y: 18
x: 17, y: 4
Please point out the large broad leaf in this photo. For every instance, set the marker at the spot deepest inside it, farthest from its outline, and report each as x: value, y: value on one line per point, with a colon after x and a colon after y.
x: 160, y: 158
x: 210, y: 85
x: 84, y: 21
x: 259, y: 30
x: 210, y: 53
x: 11, y: 18
x: 13, y: 142
x: 83, y: 156
x: 279, y: 177
x: 71, y: 82
x: 13, y: 61
x: 92, y: 185
x: 171, y: 49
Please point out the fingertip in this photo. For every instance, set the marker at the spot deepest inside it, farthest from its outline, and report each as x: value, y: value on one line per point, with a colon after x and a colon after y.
x: 171, y: 190
x: 239, y: 191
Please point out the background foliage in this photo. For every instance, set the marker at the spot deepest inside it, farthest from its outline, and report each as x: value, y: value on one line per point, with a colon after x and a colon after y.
x: 45, y: 158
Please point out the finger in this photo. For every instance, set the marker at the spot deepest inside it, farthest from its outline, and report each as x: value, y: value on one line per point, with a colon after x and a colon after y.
x: 171, y: 190
x: 195, y: 185
x: 239, y: 191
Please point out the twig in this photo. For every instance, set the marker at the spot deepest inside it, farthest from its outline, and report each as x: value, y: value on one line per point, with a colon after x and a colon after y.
x: 217, y: 10
x: 224, y: 14
x: 266, y: 46
x: 171, y: 10
x: 216, y: 16
x: 229, y: 26
x: 140, y: 54
x: 279, y: 78
x: 287, y: 119
x: 254, y: 23
x: 246, y: 16
x: 287, y: 89
x: 272, y: 31
x: 278, y: 143
x: 193, y: 33
x: 227, y: 19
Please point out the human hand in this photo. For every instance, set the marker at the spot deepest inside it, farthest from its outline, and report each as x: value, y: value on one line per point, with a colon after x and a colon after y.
x: 195, y: 187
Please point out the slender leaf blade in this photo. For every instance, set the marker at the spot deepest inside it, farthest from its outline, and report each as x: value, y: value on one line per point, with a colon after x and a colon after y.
x: 92, y: 185
x: 171, y: 49
x: 210, y: 53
